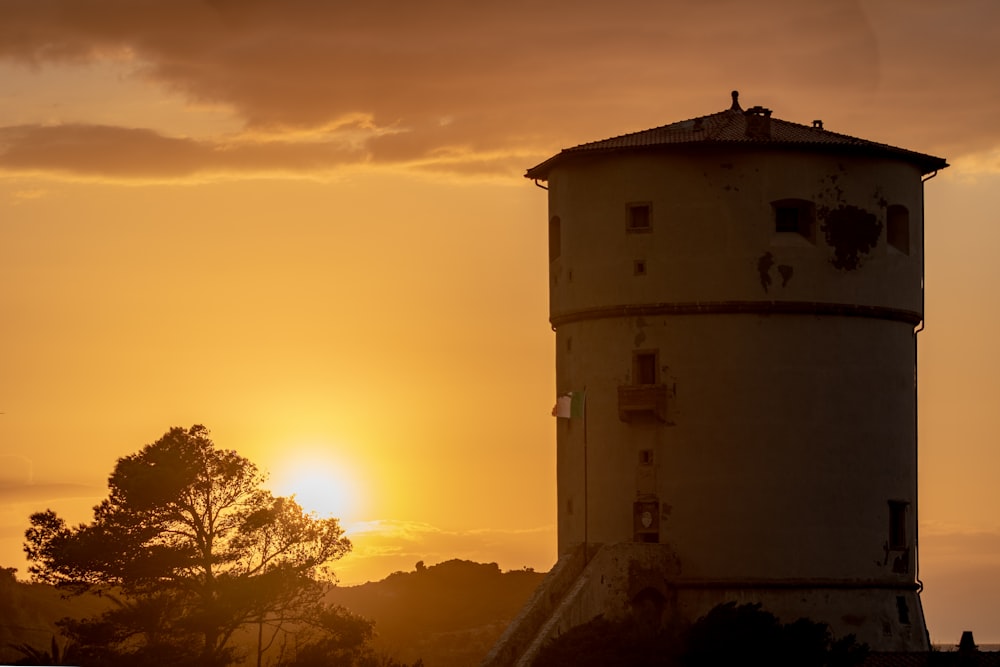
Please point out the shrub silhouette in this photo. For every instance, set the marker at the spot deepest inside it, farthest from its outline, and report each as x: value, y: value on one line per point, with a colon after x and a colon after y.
x: 728, y: 635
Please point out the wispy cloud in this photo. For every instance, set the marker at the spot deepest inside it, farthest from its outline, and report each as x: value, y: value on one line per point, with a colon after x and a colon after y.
x: 28, y: 195
x: 41, y: 493
x: 19, y: 484
x: 449, y: 86
x: 978, y: 163
x: 123, y: 153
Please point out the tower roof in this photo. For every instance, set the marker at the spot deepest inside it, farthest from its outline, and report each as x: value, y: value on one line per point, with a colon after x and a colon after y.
x: 736, y: 128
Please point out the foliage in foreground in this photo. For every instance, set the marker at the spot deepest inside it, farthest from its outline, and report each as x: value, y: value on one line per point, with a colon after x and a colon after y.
x: 54, y: 655
x: 727, y: 635
x: 192, y: 549
x: 730, y: 634
x: 601, y: 642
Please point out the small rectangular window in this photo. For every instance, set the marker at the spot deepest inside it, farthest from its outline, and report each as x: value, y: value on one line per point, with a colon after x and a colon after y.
x: 639, y: 267
x: 902, y: 610
x: 794, y: 216
x: 555, y: 238
x: 645, y: 457
x: 897, y: 231
x: 897, y: 524
x: 644, y: 367
x: 786, y: 219
x: 639, y: 217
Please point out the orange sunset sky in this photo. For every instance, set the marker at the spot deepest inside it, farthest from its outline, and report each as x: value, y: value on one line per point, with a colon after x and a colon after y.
x: 304, y: 224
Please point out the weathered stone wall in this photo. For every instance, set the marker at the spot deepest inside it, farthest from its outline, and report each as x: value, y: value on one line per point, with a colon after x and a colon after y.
x: 778, y: 459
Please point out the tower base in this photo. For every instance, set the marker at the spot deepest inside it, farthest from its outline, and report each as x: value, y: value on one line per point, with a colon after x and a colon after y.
x: 643, y: 581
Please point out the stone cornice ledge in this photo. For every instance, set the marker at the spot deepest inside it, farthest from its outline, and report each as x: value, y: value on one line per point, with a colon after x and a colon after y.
x: 813, y: 308
x: 793, y: 583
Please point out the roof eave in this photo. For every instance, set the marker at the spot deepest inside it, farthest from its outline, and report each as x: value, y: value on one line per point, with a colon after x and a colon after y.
x: 926, y: 163
x: 540, y: 172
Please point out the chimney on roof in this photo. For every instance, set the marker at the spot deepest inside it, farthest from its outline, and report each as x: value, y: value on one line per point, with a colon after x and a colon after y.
x: 818, y: 124
x: 736, y: 102
x: 758, y: 122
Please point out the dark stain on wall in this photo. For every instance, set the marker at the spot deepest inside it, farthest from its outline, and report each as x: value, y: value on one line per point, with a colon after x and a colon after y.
x: 856, y: 620
x: 852, y: 232
x: 640, y: 336
x: 879, y: 198
x: 764, y: 264
x: 730, y: 184
x: 901, y: 565
x: 785, y: 271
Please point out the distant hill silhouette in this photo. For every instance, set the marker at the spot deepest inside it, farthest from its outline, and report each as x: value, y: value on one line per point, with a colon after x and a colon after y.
x: 28, y: 613
x: 448, y: 614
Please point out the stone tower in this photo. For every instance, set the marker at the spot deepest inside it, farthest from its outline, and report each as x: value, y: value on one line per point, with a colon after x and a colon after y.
x: 735, y: 300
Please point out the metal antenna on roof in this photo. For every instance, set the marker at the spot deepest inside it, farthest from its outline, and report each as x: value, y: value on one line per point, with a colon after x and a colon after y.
x: 736, y: 102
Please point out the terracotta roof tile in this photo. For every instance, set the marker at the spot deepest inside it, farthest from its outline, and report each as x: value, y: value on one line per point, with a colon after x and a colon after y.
x: 735, y: 127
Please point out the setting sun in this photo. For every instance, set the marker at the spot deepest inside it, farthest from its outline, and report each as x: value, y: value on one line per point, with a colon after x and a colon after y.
x: 319, y: 482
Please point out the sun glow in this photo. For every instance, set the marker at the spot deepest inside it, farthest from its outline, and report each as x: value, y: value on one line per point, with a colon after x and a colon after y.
x: 320, y: 483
